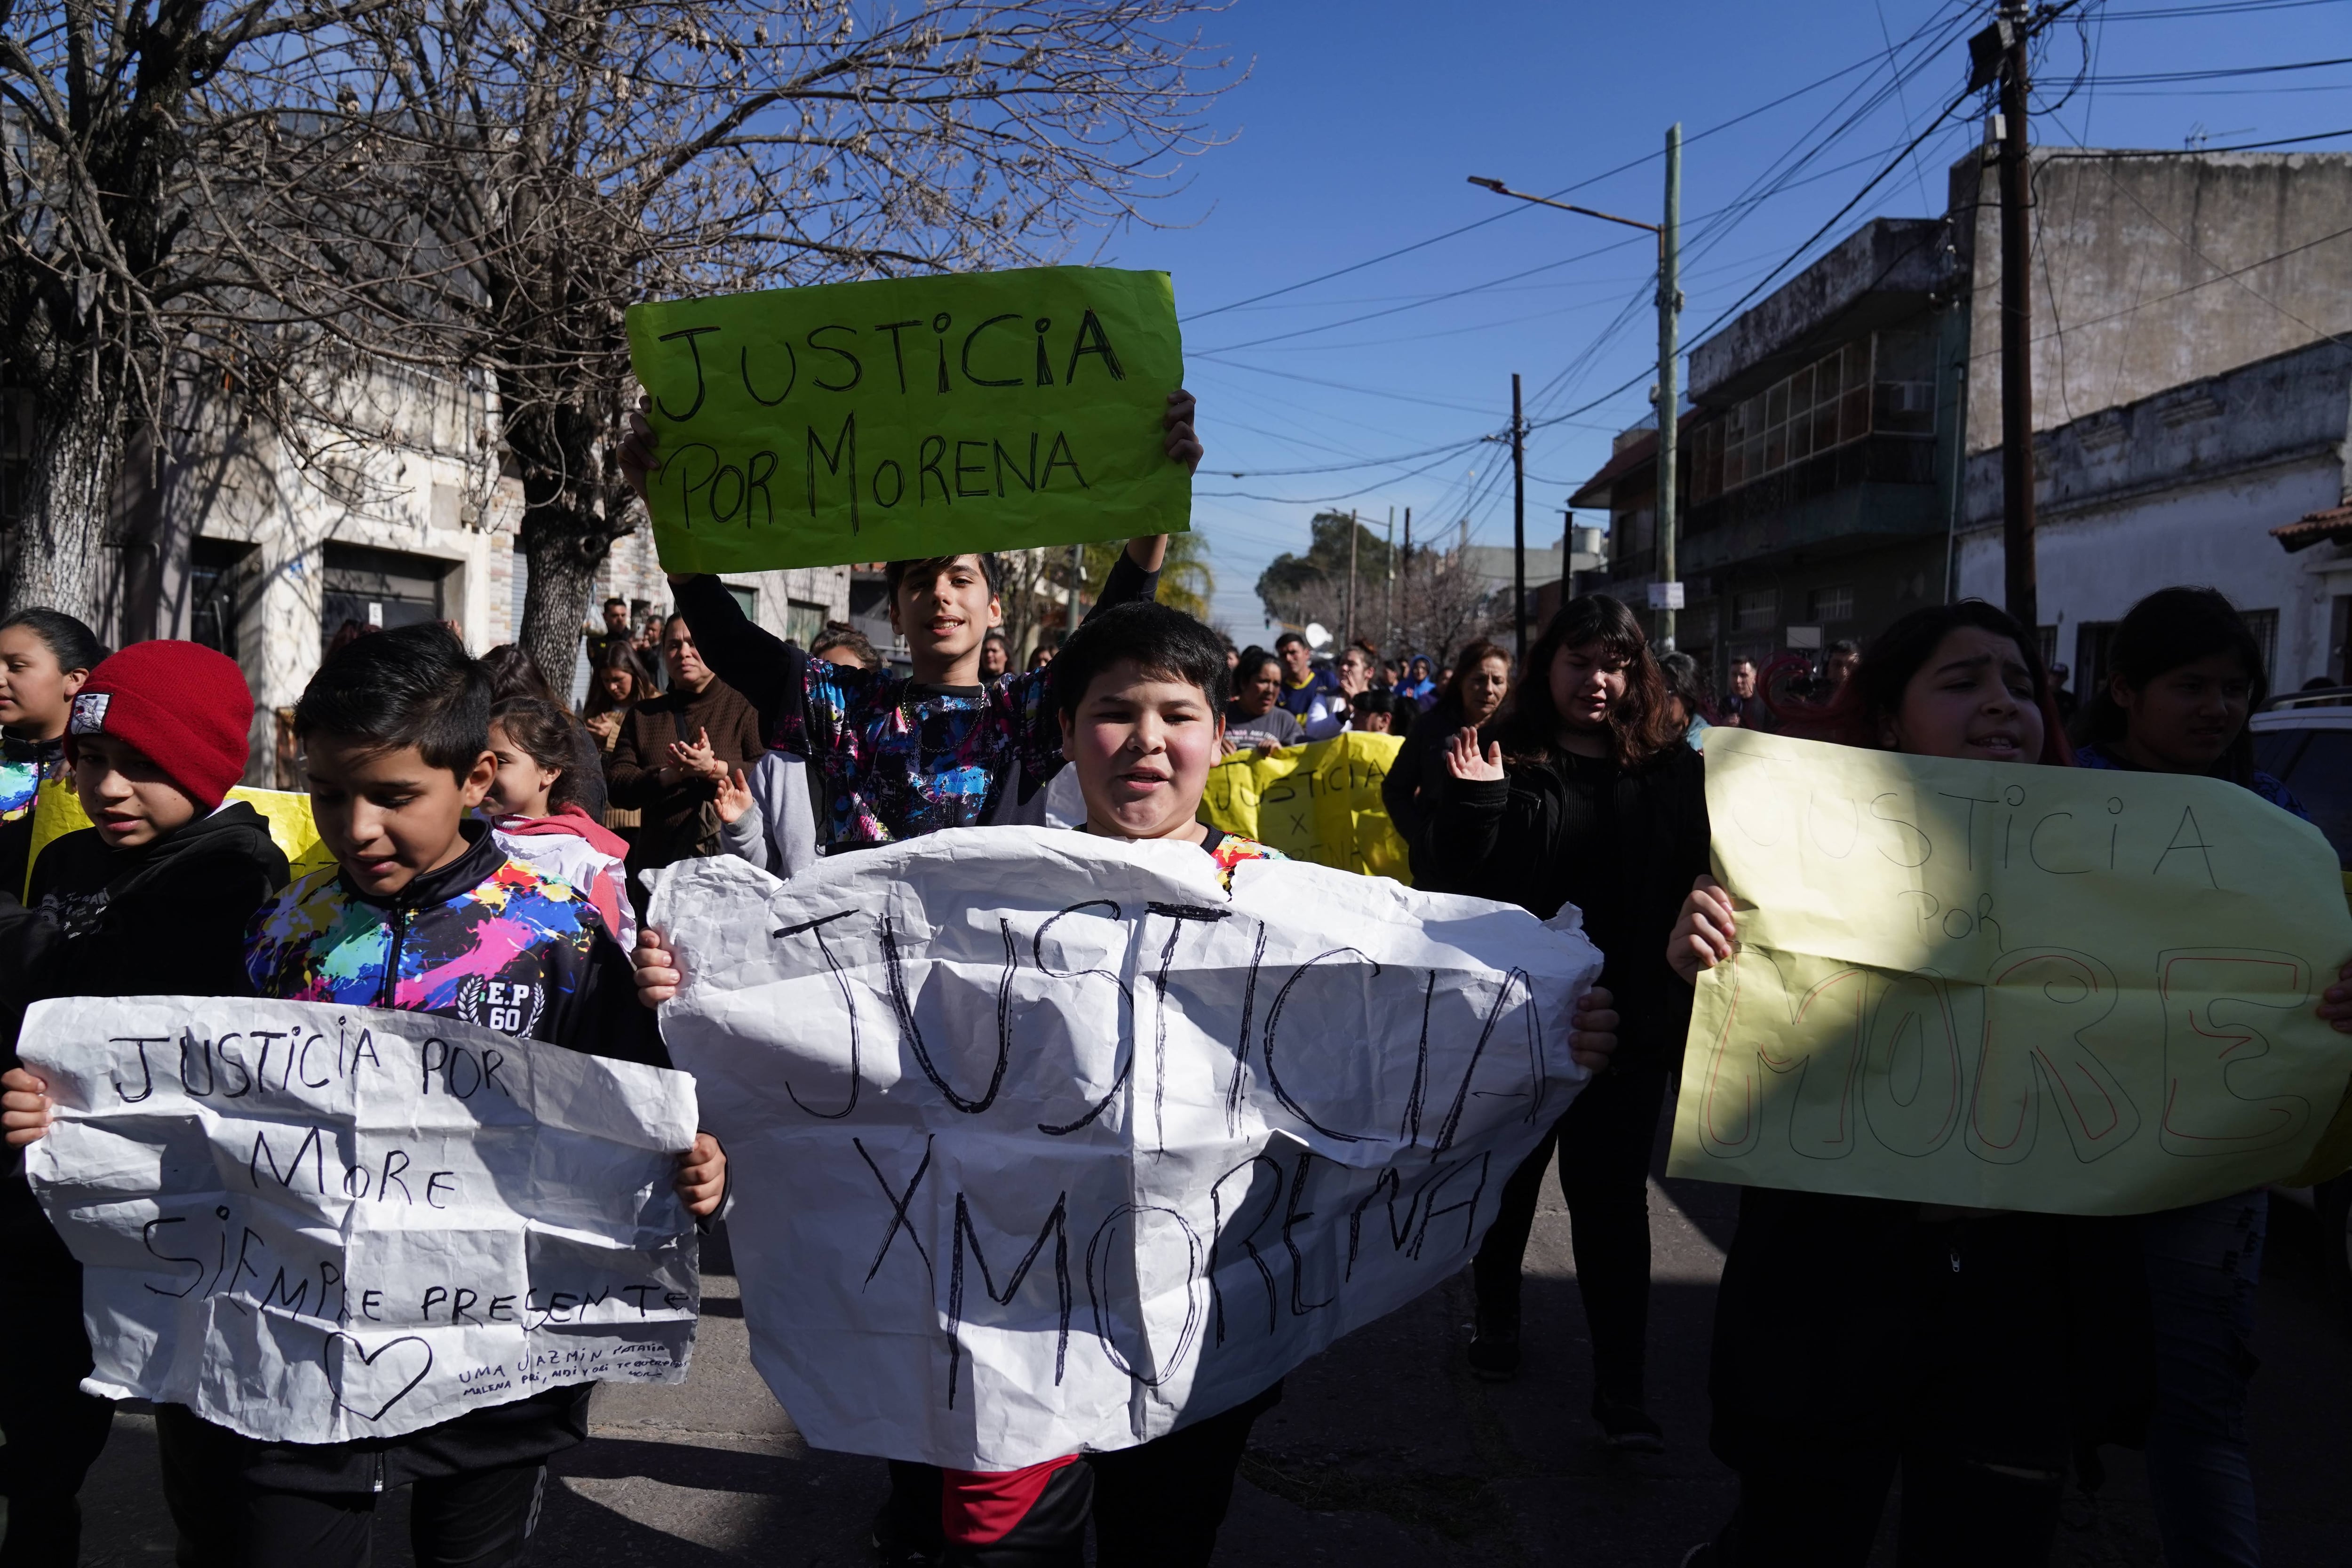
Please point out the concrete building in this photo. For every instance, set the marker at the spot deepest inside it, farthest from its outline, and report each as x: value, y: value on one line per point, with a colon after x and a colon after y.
x: 1831, y: 424
x: 249, y: 544
x: 1815, y: 460
x: 2238, y: 482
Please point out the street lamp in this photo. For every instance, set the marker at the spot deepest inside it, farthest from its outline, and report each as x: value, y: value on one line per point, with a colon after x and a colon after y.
x: 1666, y: 593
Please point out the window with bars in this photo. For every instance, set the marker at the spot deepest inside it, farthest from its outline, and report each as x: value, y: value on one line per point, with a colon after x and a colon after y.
x: 1830, y: 604
x: 1754, y: 610
x: 802, y: 621
x: 1884, y: 383
x: 2263, y: 624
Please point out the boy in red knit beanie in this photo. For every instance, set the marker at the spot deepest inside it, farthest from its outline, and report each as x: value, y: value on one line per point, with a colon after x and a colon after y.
x: 152, y: 899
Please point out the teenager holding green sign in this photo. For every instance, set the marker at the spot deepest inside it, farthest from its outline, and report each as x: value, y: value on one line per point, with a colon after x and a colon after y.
x: 897, y: 757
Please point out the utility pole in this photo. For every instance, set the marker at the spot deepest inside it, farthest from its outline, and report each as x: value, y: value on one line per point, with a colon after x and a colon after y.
x: 1408, y: 578
x: 1666, y: 591
x: 1388, y: 611
x: 2016, y: 329
x: 1352, y: 531
x: 1670, y: 305
x: 1519, y: 526
x: 1078, y: 570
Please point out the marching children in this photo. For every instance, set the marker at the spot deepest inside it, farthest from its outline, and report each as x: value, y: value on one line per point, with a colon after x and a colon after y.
x: 1139, y: 695
x: 422, y: 911
x: 45, y: 656
x: 151, y: 900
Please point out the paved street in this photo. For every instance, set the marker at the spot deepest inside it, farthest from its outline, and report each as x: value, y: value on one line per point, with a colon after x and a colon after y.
x: 1386, y: 1453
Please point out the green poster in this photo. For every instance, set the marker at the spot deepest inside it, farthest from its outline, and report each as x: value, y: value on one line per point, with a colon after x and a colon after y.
x: 910, y: 417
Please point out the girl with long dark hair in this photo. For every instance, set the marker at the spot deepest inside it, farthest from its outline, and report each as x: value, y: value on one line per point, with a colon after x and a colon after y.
x: 2185, y: 672
x: 1855, y: 1336
x: 1587, y: 795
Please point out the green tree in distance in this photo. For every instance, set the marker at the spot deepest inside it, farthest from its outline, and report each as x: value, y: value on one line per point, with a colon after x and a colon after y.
x: 1314, y: 586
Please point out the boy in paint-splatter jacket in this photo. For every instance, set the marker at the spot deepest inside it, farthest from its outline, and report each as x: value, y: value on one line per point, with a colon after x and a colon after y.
x: 422, y: 911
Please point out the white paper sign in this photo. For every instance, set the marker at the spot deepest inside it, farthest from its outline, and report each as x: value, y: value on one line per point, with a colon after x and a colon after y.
x: 1043, y: 1144
x: 313, y: 1223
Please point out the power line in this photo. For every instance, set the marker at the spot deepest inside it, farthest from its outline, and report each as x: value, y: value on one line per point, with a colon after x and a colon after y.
x: 2170, y: 153
x: 1834, y: 219
x: 1430, y: 300
x: 1343, y: 495
x: 2234, y: 8
x: 1564, y: 190
x: 2144, y: 79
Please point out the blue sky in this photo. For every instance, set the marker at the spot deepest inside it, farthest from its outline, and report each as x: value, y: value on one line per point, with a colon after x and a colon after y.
x: 1354, y: 133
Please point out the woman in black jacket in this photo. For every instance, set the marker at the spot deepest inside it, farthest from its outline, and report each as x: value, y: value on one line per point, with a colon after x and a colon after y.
x: 1587, y: 796
x: 1482, y: 676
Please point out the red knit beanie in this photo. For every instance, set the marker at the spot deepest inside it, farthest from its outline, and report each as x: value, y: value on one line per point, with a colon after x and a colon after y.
x: 185, y: 707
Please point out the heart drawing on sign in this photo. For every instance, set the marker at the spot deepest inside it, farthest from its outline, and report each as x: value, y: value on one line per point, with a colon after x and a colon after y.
x: 371, y: 1382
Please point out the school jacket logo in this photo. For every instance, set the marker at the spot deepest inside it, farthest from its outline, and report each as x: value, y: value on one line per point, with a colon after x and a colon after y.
x: 510, y: 1006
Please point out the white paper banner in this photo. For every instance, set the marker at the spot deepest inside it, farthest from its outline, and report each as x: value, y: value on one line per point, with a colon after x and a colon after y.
x: 313, y: 1223
x: 1043, y: 1144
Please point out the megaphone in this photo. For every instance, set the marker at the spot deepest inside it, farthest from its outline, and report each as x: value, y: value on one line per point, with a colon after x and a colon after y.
x: 1317, y: 638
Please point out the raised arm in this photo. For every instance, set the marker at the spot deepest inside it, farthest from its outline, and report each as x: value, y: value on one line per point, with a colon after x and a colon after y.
x: 1135, y: 575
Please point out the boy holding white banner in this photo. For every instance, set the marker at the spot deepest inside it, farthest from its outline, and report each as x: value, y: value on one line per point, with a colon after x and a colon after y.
x: 1137, y: 693
x: 421, y: 911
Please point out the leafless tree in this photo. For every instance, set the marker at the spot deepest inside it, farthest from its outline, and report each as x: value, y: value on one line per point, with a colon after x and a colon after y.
x: 1443, y: 603
x: 488, y: 184
x: 108, y: 259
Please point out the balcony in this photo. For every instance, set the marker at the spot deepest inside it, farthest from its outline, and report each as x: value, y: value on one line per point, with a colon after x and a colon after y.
x: 1874, y: 491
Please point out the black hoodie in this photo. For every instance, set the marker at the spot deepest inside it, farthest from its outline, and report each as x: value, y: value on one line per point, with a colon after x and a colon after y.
x: 165, y: 920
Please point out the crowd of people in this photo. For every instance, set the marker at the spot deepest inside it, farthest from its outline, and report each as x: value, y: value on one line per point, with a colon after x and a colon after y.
x: 1856, y: 1339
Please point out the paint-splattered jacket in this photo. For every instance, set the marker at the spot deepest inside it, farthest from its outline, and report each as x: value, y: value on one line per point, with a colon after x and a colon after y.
x: 25, y: 767
x: 488, y: 941
x: 894, y: 758
x: 1230, y: 849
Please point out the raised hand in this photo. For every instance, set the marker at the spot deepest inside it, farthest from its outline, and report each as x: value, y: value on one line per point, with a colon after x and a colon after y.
x: 734, y: 796
x: 1182, y: 444
x: 1463, y: 761
x: 639, y: 452
x: 1703, y: 936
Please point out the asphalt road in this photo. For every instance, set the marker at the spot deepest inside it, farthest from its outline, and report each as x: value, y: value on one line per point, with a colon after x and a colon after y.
x: 1386, y: 1453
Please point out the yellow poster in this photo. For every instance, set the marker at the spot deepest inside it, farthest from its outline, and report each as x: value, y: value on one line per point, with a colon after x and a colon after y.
x: 911, y: 417
x: 2009, y: 987
x: 57, y: 812
x: 1319, y: 801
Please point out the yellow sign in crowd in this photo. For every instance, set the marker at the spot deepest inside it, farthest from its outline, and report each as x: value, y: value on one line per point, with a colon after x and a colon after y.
x: 56, y: 811
x: 1319, y: 802
x: 2009, y: 987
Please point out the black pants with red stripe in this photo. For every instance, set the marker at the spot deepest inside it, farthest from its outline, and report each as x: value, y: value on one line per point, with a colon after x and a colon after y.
x: 1159, y: 1505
